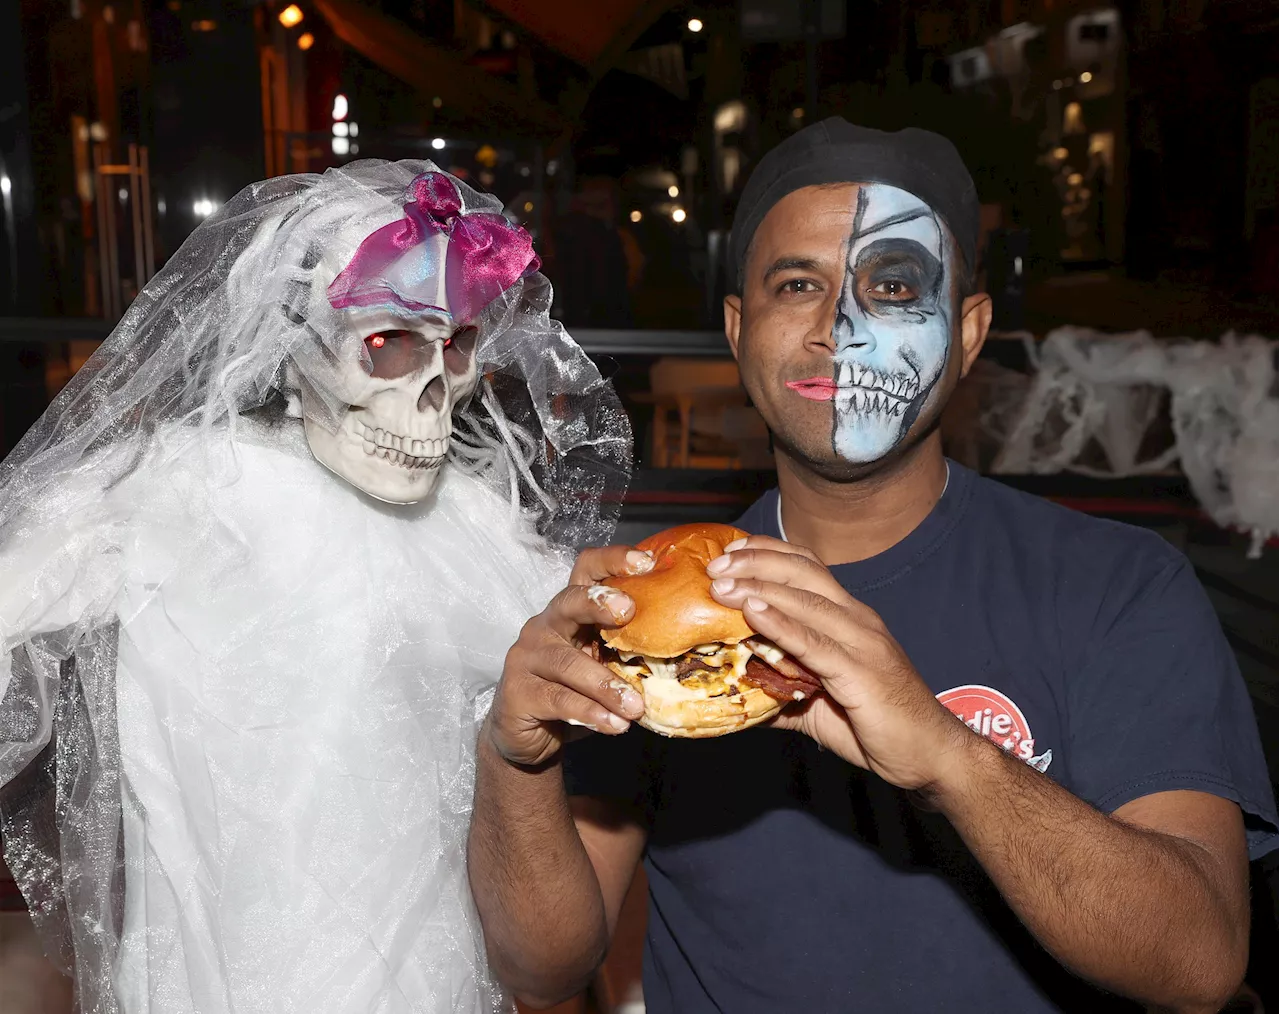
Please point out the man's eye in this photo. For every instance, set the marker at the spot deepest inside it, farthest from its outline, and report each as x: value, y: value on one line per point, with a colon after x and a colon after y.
x: 797, y: 285
x: 893, y: 291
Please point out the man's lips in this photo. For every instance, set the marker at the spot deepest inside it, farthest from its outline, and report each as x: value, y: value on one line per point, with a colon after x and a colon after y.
x: 815, y: 388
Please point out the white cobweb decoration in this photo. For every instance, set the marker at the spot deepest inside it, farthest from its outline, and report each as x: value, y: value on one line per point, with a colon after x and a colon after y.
x: 1093, y: 391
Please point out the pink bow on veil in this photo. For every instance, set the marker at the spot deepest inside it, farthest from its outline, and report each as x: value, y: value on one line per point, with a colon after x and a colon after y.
x: 400, y: 264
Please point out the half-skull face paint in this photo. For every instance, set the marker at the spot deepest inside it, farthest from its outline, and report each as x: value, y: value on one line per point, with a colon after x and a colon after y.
x: 893, y: 322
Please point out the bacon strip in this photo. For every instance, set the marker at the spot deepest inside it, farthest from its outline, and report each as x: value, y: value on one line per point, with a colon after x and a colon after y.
x: 778, y: 685
x: 789, y: 668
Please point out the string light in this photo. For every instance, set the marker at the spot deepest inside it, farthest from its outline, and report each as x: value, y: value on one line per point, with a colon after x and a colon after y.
x: 291, y: 16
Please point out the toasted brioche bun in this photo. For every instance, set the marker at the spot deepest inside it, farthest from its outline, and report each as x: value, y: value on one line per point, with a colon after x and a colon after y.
x: 700, y: 717
x: 674, y: 612
x: 674, y: 607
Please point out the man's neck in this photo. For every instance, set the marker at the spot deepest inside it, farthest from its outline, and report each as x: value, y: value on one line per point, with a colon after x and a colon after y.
x: 844, y: 522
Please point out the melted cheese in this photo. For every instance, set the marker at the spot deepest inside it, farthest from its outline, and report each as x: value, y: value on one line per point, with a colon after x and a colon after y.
x: 727, y: 663
x: 741, y: 654
x: 673, y: 691
x: 771, y: 653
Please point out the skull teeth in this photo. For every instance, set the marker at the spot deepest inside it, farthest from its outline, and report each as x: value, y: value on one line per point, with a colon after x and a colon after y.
x: 867, y: 402
x: 405, y: 452
x: 872, y: 382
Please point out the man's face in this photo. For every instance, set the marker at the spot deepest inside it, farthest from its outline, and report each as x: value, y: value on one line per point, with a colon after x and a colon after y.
x: 847, y: 324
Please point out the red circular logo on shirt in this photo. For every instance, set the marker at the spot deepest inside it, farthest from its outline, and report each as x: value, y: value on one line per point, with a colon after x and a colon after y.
x: 990, y: 713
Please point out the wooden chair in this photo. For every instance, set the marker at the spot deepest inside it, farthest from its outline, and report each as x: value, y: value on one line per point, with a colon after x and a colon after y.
x: 688, y: 398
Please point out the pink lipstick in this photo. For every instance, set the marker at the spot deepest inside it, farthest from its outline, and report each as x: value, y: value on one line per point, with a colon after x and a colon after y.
x: 815, y: 388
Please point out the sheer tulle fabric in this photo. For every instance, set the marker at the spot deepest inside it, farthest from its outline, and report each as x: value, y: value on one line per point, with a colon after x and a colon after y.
x: 238, y: 698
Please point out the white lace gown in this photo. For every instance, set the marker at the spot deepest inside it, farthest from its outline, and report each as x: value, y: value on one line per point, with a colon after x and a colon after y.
x: 301, y: 672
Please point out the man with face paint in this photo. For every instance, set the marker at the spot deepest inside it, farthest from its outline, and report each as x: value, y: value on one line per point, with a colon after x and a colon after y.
x: 1078, y: 840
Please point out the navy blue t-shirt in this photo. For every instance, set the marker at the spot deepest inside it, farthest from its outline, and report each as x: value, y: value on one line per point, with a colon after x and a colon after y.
x: 783, y: 879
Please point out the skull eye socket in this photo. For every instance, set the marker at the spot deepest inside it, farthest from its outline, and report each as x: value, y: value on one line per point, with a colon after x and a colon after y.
x: 458, y: 349
x: 395, y: 353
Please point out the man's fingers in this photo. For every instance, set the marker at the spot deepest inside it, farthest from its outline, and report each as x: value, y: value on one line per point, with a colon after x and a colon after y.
x: 772, y: 545
x: 845, y: 621
x: 595, y: 605
x: 767, y: 564
x: 557, y: 664
x: 554, y: 702
x: 594, y: 565
x: 810, y: 628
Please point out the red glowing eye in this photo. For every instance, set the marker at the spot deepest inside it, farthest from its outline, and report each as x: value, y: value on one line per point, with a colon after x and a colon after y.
x: 448, y: 342
x: 377, y: 341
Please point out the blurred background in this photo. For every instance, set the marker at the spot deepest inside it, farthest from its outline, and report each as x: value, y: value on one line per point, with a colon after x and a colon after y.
x: 1124, y: 152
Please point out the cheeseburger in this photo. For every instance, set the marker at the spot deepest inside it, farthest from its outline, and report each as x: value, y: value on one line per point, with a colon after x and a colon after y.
x: 701, y: 670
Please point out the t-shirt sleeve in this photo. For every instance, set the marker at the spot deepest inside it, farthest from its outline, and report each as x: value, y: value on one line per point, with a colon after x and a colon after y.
x: 1160, y: 705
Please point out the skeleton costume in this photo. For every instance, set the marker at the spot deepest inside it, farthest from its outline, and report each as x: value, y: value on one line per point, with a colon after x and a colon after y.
x: 239, y: 691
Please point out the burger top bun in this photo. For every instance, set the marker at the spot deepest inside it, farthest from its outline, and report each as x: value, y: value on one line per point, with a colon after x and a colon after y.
x: 674, y: 607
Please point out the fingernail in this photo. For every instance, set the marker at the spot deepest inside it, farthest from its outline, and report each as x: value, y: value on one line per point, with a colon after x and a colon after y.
x: 758, y: 605
x: 722, y: 585
x: 639, y: 562
x: 610, y: 598
x: 629, y: 699
x: 735, y: 544
x: 632, y: 702
x: 580, y: 725
x: 719, y: 565
x: 621, y: 724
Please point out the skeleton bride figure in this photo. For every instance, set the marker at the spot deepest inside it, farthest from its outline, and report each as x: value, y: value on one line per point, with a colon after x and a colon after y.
x: 260, y: 563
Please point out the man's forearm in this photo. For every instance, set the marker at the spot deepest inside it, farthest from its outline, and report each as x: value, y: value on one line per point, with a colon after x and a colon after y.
x: 1133, y: 910
x: 535, y: 888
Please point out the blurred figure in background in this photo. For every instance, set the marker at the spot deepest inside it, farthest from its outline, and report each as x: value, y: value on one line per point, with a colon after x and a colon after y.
x: 592, y: 267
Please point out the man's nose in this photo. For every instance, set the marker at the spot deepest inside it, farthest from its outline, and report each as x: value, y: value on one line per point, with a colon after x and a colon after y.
x: 822, y: 331
x: 849, y: 331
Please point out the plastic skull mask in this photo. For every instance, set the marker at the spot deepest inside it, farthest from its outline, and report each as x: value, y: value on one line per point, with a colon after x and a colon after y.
x: 394, y: 436
x: 400, y: 294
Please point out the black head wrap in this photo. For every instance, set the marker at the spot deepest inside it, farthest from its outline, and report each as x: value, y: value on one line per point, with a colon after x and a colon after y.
x: 836, y: 151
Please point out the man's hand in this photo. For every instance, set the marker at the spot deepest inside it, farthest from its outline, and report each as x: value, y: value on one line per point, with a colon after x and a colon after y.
x: 550, y: 679
x: 876, y: 712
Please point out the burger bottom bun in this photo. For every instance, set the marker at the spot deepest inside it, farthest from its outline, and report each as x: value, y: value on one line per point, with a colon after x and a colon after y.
x: 704, y: 717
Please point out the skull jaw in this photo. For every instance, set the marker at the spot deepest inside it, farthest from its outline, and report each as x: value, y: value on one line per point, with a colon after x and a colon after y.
x: 344, y: 455
x: 861, y: 438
